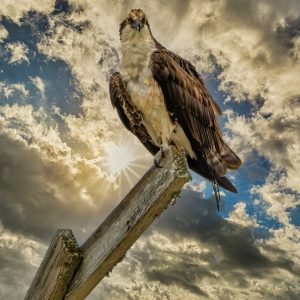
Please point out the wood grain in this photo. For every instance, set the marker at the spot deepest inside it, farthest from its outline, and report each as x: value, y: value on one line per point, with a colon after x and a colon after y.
x: 143, y: 204
x: 57, y: 268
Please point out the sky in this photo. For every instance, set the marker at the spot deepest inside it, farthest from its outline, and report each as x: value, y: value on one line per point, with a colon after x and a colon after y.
x: 66, y: 161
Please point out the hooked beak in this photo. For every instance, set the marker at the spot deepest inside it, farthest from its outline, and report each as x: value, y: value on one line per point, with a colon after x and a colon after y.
x: 137, y: 24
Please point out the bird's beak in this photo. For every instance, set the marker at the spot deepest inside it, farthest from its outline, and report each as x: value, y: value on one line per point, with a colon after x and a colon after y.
x: 137, y: 24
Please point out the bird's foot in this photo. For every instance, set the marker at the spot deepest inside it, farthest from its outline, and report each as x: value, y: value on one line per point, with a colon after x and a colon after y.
x: 160, y: 156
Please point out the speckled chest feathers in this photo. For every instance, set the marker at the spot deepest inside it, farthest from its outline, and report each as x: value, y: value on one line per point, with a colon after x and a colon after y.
x: 146, y: 95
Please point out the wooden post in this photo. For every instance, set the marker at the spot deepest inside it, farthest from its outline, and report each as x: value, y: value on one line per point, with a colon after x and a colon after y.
x: 57, y: 269
x: 111, y: 240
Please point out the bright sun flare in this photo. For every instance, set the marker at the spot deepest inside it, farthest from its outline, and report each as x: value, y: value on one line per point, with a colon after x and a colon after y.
x: 118, y: 158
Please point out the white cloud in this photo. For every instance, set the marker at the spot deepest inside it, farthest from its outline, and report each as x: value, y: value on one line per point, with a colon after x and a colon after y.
x: 18, y: 52
x: 206, y: 256
x: 275, y: 137
x: 19, y: 255
x: 95, y: 126
x: 197, y: 187
x: 3, y: 33
x: 56, y: 177
x: 239, y: 216
x: 9, y: 89
x: 39, y: 84
x: 16, y: 9
x: 50, y: 178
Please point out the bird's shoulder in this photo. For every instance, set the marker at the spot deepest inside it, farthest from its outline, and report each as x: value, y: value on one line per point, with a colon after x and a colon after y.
x: 168, y: 66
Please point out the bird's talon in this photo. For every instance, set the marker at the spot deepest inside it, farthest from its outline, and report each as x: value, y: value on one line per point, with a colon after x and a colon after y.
x: 156, y: 163
x: 160, y: 156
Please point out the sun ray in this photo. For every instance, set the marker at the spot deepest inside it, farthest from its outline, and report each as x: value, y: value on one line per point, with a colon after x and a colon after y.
x: 124, y: 163
x: 129, y: 169
x: 138, y: 165
x: 128, y: 177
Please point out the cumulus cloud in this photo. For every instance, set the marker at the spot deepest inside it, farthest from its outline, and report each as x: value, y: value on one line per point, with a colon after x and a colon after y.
x: 16, y: 10
x: 254, y: 45
x: 3, y: 33
x: 56, y: 167
x: 16, y: 89
x: 50, y: 187
x: 92, y: 60
x: 18, y: 53
x: 19, y: 258
x: 68, y: 163
x: 39, y: 84
x: 244, y: 39
x: 205, y: 257
x: 239, y: 216
x: 274, y: 136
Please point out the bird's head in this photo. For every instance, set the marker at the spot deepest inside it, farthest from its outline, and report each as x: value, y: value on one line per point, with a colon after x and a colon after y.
x: 136, y: 21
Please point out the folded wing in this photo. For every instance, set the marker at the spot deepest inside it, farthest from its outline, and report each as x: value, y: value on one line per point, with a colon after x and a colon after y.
x: 189, y: 102
x: 129, y: 115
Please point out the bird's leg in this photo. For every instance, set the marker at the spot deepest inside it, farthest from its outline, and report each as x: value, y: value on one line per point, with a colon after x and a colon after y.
x: 159, y: 157
x: 163, y: 152
x: 175, y: 127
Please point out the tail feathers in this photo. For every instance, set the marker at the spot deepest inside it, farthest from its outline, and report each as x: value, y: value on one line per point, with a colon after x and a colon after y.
x: 227, y: 159
x: 218, y: 164
x: 212, y: 175
x: 225, y: 183
x: 231, y: 159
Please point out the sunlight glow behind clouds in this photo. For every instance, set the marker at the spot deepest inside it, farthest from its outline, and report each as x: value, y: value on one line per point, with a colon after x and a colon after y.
x: 59, y: 169
x: 117, y: 158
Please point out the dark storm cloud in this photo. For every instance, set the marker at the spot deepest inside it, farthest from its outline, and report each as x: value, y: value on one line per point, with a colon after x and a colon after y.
x: 39, y: 196
x: 288, y: 31
x: 201, y: 222
x: 254, y: 15
x: 62, y: 6
x: 15, y: 272
x: 63, y: 16
x: 232, y: 256
x: 195, y: 218
x: 179, y: 276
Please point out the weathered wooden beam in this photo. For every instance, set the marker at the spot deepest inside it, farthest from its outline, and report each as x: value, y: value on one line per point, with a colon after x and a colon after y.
x: 143, y: 204
x: 57, y: 268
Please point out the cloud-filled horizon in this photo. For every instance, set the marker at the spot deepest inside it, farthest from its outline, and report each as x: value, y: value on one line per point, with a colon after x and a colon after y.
x: 66, y: 161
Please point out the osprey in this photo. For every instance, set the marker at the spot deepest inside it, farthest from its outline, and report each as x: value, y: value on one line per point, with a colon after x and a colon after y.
x: 161, y: 98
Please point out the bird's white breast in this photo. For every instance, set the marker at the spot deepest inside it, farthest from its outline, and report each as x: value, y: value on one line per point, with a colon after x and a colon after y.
x: 147, y: 96
x: 145, y: 93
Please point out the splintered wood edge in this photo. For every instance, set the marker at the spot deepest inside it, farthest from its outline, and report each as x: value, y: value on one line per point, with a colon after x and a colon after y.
x: 57, y: 268
x: 143, y: 204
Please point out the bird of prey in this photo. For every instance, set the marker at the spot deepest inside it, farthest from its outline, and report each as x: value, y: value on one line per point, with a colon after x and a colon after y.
x: 161, y: 98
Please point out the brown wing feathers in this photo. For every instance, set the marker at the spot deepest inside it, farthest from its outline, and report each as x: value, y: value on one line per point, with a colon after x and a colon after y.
x: 190, y: 104
x: 129, y: 115
x: 185, y: 97
x: 189, y: 101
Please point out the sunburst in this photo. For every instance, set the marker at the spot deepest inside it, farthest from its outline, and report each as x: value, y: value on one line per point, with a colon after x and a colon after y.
x: 117, y: 158
x: 125, y: 162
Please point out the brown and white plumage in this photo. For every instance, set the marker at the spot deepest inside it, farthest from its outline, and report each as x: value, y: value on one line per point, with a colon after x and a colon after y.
x: 161, y: 98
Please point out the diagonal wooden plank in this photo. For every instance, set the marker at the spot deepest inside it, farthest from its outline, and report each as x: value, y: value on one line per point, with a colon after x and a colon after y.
x: 109, y: 243
x: 57, y: 268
